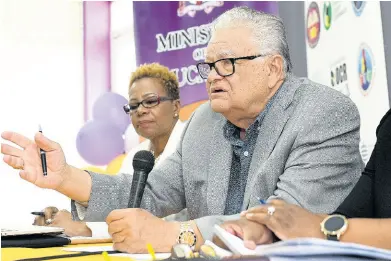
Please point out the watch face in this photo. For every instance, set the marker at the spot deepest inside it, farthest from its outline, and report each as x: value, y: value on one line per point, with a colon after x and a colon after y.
x: 188, y: 237
x: 334, y: 223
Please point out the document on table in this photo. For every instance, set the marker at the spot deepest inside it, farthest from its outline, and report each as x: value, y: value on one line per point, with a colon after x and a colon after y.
x: 302, y: 247
x: 89, y: 240
x: 99, y: 232
x: 148, y: 257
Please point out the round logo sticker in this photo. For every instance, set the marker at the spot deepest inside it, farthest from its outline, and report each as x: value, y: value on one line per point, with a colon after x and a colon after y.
x: 313, y: 24
x: 358, y: 6
x: 365, y: 68
x: 327, y: 15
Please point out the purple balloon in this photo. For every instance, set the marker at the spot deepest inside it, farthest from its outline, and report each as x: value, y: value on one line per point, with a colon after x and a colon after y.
x: 99, y: 142
x: 109, y: 108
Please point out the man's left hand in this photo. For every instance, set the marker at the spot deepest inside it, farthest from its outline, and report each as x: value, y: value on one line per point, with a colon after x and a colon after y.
x: 133, y: 229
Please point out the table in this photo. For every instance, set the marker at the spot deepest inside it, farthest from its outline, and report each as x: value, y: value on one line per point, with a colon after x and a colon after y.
x: 11, y: 254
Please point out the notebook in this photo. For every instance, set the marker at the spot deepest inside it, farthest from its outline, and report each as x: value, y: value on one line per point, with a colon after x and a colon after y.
x: 30, y: 230
x: 33, y: 236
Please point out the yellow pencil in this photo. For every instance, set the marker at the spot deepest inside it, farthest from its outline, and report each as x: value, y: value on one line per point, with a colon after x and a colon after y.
x: 151, y: 251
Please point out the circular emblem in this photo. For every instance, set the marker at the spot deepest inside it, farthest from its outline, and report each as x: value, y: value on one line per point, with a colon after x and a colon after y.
x: 365, y: 68
x: 358, y: 6
x: 313, y: 24
x: 327, y: 15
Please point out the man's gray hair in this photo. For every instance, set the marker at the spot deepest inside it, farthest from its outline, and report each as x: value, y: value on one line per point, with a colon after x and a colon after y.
x: 268, y: 30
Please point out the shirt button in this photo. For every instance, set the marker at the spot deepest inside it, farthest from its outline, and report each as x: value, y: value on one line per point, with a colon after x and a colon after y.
x: 245, y: 153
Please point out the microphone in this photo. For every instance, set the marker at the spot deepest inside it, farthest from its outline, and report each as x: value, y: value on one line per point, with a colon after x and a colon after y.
x: 143, y: 162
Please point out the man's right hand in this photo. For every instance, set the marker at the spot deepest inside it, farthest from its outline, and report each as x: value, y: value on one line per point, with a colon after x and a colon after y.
x: 27, y: 159
x: 252, y: 233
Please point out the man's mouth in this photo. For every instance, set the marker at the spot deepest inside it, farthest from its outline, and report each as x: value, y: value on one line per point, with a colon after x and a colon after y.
x: 217, y: 90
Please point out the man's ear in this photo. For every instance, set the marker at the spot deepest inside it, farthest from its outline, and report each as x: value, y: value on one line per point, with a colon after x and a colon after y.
x: 275, y: 70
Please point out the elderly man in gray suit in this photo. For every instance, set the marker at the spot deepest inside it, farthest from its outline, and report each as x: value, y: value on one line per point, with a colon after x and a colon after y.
x: 264, y: 134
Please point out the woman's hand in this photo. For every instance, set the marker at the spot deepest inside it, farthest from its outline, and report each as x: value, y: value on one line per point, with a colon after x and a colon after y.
x: 25, y: 156
x: 286, y: 220
x: 63, y: 219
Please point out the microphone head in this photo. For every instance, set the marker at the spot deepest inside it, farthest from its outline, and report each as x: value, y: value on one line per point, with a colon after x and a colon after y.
x: 143, y: 160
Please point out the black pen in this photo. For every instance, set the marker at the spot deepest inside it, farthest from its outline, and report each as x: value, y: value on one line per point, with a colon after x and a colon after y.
x: 43, y: 158
x: 38, y: 213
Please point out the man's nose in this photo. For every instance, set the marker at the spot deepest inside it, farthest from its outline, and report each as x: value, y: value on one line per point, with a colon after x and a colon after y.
x: 213, y: 75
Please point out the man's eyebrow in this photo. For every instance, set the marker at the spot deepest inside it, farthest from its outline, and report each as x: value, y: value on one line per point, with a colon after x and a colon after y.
x: 225, y: 54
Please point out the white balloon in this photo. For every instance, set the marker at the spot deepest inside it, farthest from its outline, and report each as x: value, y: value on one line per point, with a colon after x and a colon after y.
x: 131, y: 138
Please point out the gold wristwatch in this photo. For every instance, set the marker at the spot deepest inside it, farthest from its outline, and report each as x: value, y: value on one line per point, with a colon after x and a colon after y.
x: 334, y: 226
x: 187, y: 235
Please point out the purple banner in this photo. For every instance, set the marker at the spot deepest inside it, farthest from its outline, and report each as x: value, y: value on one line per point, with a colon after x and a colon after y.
x: 175, y: 34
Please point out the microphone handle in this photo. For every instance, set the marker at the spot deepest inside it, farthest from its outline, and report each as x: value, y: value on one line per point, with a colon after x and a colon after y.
x: 137, y: 189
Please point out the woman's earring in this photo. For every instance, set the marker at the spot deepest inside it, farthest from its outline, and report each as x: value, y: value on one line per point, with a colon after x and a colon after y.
x: 176, y: 115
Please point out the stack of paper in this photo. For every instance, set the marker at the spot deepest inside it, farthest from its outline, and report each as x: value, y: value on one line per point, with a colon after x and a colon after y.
x: 302, y: 247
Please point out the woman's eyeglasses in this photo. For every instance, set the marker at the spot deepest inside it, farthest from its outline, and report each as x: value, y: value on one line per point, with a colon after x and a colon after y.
x: 149, y: 102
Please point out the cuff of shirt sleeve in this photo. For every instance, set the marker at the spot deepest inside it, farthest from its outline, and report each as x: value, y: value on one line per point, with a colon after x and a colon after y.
x: 80, y: 211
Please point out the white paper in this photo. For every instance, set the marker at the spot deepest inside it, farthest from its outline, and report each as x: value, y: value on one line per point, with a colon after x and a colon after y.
x: 302, y: 247
x: 88, y: 238
x: 320, y: 247
x: 234, y: 243
x: 110, y: 248
x: 89, y: 249
x: 99, y: 229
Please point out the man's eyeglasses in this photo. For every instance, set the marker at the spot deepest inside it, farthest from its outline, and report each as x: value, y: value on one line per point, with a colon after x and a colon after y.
x: 149, y: 102
x: 224, y: 67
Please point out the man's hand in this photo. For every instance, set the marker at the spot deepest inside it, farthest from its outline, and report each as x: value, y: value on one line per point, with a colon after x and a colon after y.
x: 133, y: 229
x: 251, y: 232
x: 286, y: 220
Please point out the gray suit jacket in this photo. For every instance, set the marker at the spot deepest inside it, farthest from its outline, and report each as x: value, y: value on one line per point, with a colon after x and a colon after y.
x: 307, y: 153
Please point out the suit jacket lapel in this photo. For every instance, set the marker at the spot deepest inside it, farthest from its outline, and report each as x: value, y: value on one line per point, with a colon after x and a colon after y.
x: 271, y: 129
x: 219, y: 166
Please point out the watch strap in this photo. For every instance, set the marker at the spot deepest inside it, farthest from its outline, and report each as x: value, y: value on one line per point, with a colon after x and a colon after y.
x: 332, y: 237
